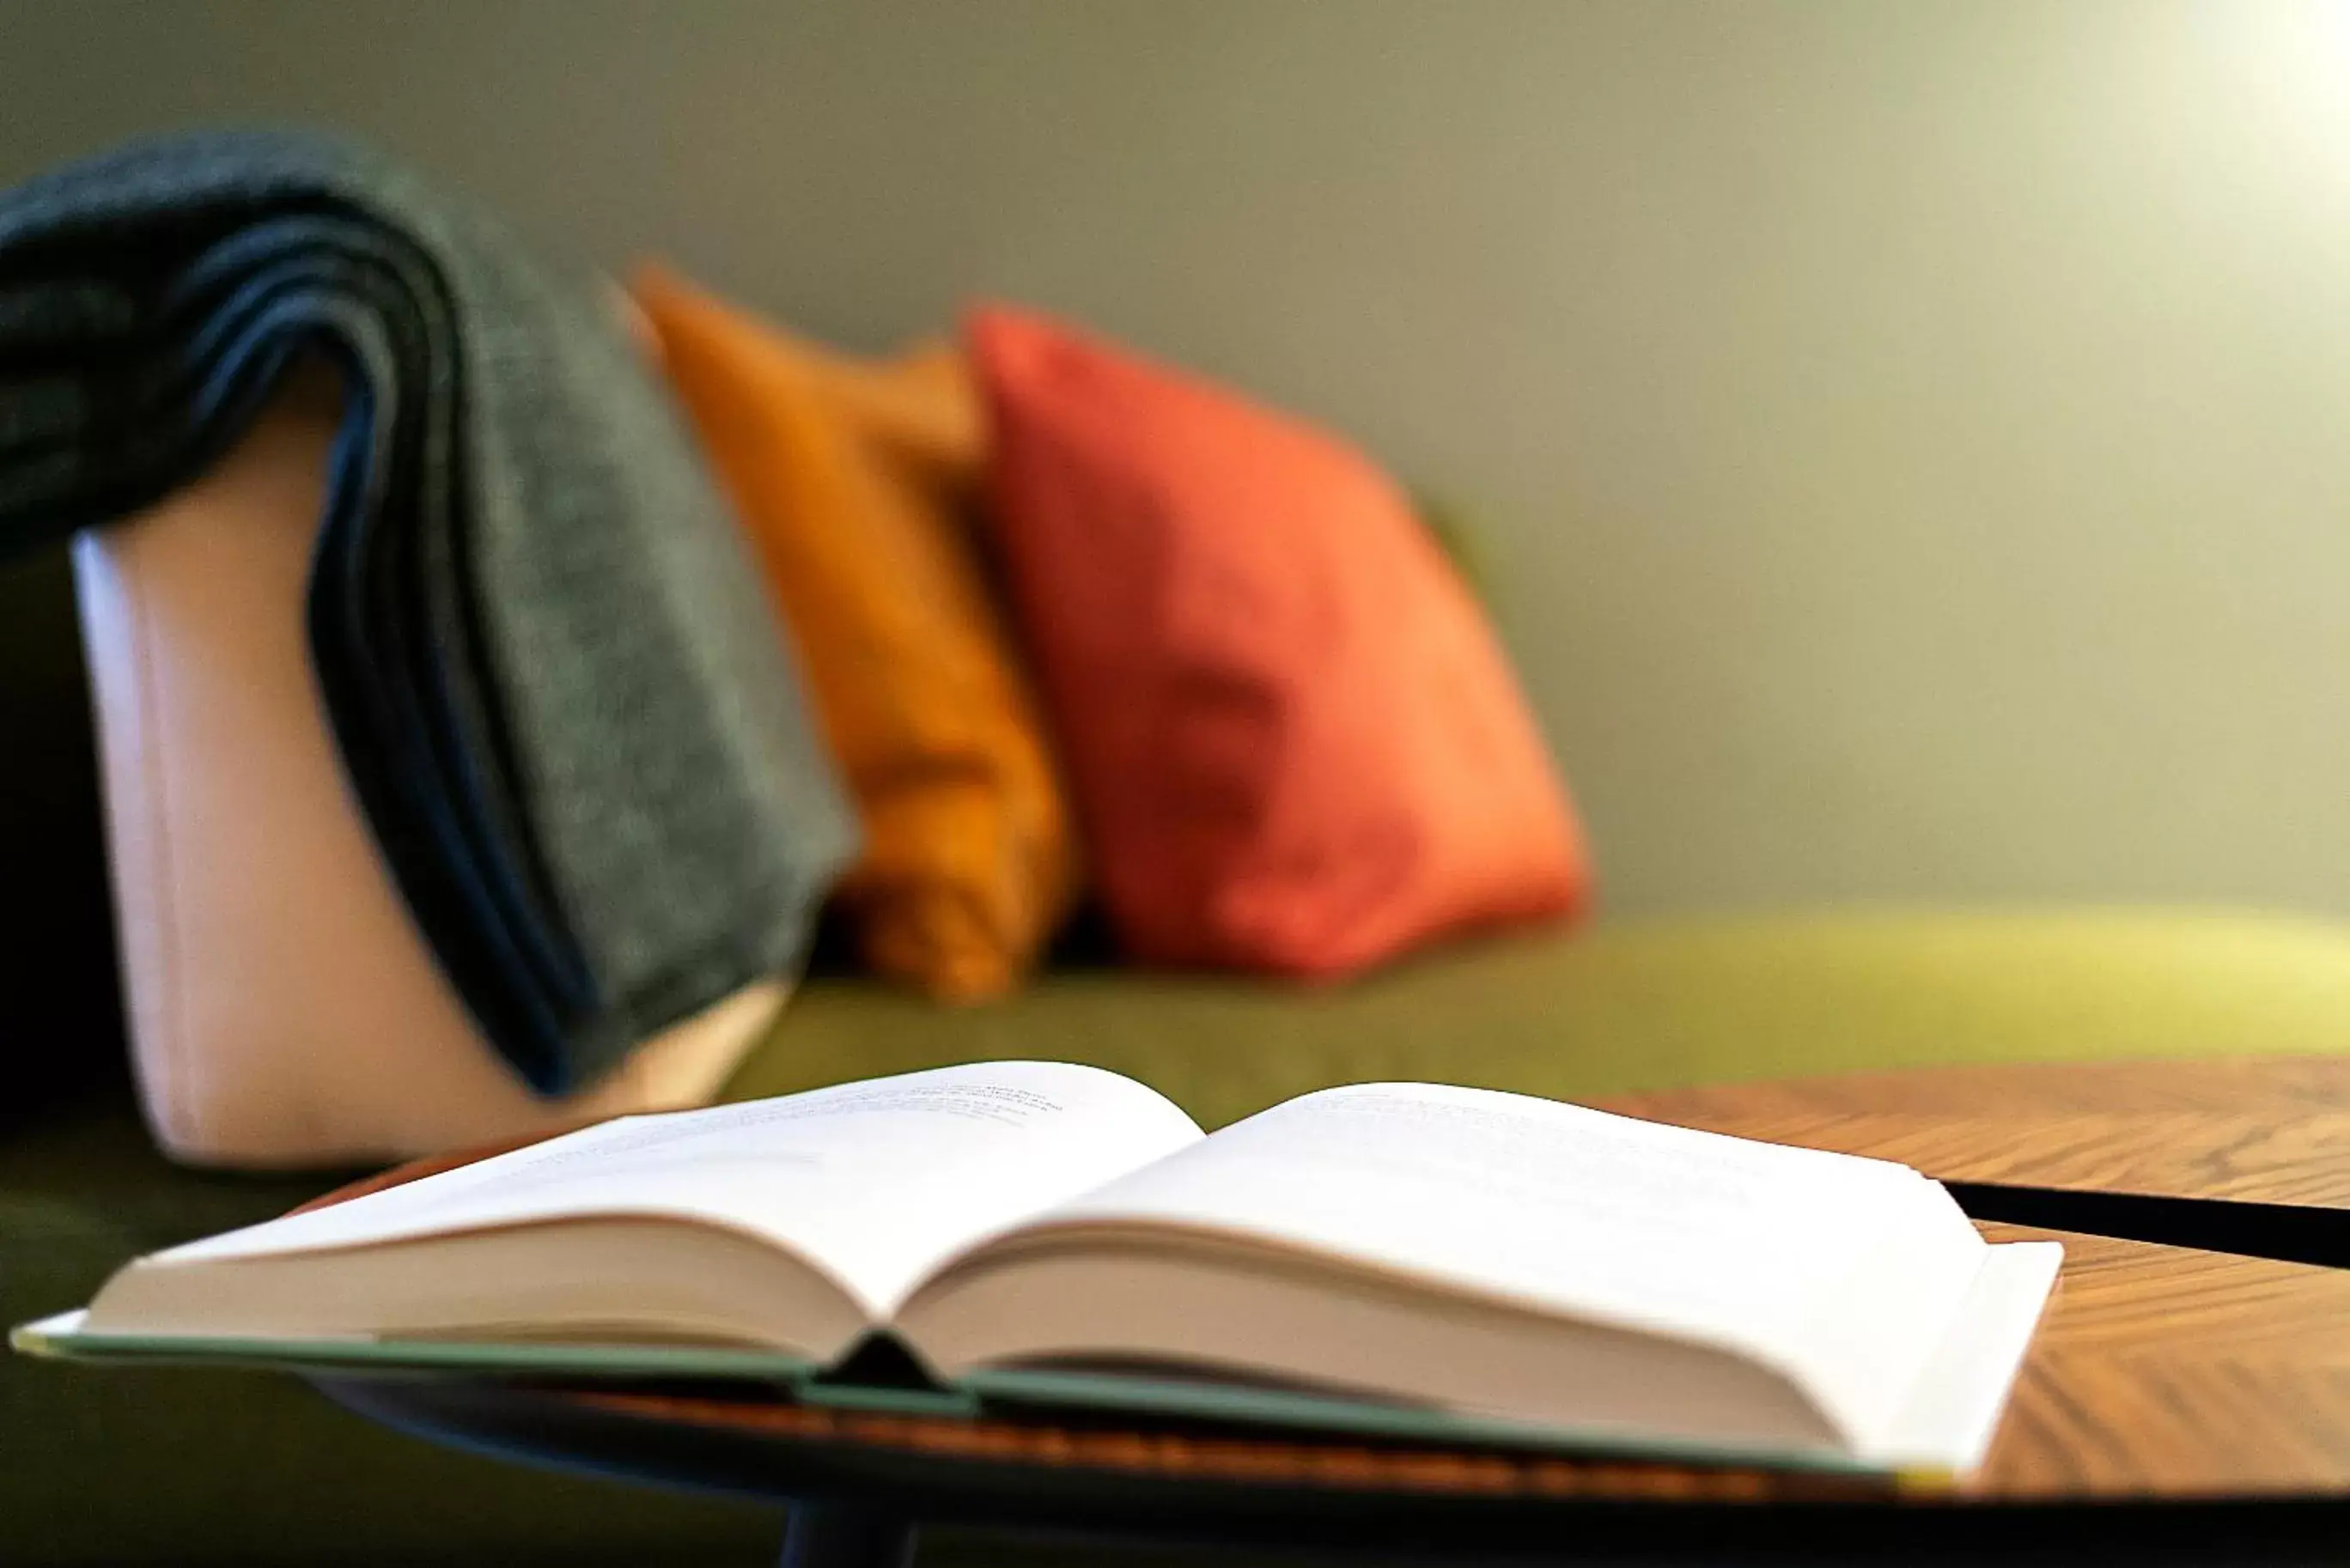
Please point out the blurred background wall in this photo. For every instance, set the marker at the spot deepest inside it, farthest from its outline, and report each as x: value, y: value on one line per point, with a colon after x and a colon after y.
x: 1913, y: 439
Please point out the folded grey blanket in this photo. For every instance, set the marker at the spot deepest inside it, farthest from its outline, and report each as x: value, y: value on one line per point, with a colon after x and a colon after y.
x: 560, y: 695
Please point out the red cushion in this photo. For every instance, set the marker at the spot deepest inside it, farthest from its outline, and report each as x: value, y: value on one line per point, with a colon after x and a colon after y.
x: 1293, y: 741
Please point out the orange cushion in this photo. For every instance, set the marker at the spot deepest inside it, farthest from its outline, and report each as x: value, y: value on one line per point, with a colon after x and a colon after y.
x: 856, y: 479
x: 1293, y: 741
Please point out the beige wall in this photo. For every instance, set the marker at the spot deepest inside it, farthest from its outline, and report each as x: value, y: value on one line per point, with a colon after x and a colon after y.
x: 1916, y: 436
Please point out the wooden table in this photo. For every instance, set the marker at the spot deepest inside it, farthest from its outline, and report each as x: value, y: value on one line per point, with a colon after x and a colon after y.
x: 2273, y: 1130
x: 2187, y: 1400
x: 2159, y: 1371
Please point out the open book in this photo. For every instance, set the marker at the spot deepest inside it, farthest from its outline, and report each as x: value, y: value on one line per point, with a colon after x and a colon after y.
x: 1390, y: 1256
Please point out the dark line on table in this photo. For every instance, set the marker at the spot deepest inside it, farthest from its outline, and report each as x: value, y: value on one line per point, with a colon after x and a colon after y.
x: 2285, y: 1233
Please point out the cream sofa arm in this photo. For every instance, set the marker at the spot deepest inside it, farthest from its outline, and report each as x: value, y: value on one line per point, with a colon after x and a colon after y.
x: 282, y: 1009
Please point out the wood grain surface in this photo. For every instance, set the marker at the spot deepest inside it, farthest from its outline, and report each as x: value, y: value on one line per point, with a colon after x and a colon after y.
x: 2159, y: 1372
x: 2274, y: 1130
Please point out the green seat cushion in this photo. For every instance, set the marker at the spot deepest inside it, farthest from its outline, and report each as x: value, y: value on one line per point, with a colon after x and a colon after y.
x: 1639, y: 1005
x: 130, y: 1466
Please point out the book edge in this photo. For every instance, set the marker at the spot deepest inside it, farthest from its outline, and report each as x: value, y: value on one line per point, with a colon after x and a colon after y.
x: 1947, y: 1424
x: 61, y: 1337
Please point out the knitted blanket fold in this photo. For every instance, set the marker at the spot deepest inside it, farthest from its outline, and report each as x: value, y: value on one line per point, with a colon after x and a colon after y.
x: 562, y: 700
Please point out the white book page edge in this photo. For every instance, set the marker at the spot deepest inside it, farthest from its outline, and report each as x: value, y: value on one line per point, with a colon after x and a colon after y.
x: 1953, y: 1415
x: 33, y: 1338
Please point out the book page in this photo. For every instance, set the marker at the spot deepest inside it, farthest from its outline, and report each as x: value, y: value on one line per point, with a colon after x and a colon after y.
x: 873, y: 1181
x: 1781, y: 1252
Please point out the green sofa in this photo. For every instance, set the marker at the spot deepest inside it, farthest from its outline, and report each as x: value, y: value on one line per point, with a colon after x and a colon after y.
x: 122, y: 1468
x: 144, y: 1466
